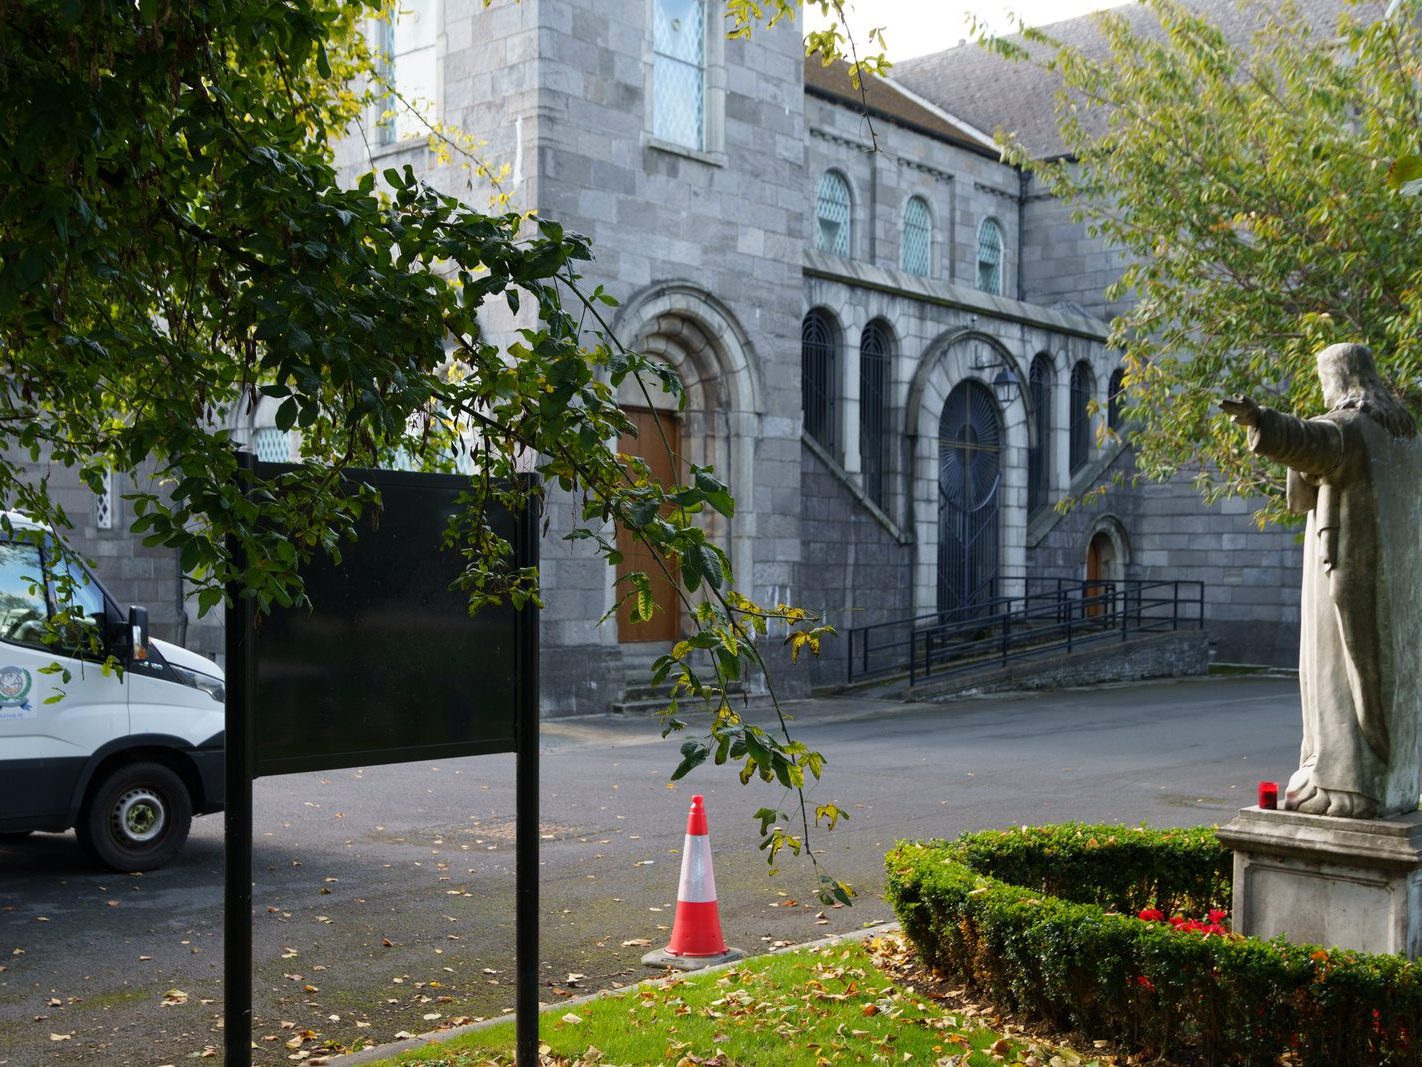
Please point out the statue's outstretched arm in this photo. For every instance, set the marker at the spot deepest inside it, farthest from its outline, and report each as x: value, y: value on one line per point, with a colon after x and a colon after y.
x: 1312, y: 446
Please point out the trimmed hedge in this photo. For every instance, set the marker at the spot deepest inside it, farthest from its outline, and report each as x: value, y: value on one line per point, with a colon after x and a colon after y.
x: 1043, y: 920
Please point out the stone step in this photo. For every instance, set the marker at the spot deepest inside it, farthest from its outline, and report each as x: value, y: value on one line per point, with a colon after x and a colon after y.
x: 742, y: 704
x: 659, y: 692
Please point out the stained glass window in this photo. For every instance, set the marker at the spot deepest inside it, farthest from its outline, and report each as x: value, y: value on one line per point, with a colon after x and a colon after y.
x: 405, y: 46
x: 104, y: 503
x: 990, y: 257
x: 679, y: 72
x: 272, y: 445
x: 832, y: 214
x: 917, y: 252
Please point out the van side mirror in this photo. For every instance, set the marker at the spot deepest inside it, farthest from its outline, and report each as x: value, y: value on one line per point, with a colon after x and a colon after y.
x: 138, y: 632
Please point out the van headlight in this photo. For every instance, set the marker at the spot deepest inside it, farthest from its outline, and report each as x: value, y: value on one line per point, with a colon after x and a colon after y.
x: 213, y: 687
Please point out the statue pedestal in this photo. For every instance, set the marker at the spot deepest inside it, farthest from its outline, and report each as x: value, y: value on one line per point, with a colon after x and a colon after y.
x: 1350, y: 883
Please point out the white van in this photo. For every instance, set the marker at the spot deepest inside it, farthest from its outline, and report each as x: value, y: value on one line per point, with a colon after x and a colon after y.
x: 126, y: 757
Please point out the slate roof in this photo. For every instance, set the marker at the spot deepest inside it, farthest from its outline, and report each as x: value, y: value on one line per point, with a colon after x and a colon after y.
x: 888, y: 101
x: 991, y: 93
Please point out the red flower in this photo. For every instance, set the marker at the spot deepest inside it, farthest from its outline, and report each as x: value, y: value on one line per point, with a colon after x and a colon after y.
x: 1217, y: 915
x: 1145, y: 983
x: 1151, y: 915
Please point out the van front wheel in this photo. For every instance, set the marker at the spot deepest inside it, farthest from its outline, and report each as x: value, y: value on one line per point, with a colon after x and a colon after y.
x: 137, y: 817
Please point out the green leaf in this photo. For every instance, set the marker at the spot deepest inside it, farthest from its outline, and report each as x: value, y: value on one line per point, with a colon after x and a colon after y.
x: 715, y: 492
x: 709, y: 560
x: 768, y: 817
x: 693, y: 754
x: 1405, y: 174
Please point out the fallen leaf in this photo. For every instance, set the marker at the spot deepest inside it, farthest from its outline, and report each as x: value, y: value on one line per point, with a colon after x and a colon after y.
x: 61, y: 1037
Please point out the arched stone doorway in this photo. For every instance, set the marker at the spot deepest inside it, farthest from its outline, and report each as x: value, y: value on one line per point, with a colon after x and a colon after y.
x: 686, y: 328
x: 959, y: 357
x: 1105, y: 565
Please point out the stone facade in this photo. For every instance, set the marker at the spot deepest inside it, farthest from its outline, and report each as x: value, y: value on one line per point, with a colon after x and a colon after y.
x: 714, y: 254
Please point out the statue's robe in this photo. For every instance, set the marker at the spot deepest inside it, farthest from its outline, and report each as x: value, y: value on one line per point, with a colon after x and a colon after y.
x: 1360, y: 648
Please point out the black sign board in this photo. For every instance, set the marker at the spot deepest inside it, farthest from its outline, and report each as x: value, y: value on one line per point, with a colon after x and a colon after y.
x: 386, y: 665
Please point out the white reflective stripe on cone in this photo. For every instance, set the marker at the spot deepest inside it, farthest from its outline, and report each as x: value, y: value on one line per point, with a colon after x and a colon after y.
x: 698, y: 883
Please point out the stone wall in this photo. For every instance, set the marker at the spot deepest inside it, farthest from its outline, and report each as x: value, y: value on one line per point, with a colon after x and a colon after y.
x: 1252, y: 577
x: 1174, y: 655
x: 1061, y: 261
x: 856, y: 567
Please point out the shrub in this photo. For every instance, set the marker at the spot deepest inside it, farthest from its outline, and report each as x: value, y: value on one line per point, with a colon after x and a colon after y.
x: 1043, y: 920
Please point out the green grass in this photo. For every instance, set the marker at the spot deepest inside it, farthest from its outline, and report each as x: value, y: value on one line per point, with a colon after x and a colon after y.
x: 815, y: 1006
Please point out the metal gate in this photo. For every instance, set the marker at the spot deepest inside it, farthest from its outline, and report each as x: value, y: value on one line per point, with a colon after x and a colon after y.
x: 969, y: 501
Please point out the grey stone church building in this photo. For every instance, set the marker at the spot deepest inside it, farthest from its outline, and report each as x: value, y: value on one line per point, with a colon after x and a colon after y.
x: 892, y: 343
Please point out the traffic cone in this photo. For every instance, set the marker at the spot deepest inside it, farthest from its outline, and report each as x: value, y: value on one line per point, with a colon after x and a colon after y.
x: 696, y: 939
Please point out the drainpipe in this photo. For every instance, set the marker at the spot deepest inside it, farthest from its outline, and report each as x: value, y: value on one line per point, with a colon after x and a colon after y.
x: 1022, y: 180
x: 874, y: 208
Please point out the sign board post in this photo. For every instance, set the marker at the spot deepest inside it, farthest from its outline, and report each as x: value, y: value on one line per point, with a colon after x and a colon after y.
x: 386, y: 666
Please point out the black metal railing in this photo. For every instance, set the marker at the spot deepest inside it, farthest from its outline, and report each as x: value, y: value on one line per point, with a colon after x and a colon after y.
x: 1054, y: 614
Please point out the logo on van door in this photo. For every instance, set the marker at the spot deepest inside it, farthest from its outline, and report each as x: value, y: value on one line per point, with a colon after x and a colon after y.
x: 15, y: 685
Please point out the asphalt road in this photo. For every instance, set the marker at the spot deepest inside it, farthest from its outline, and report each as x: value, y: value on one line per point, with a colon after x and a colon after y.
x: 384, y: 896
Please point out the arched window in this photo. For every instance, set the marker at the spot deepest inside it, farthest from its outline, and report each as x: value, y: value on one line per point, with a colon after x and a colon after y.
x: 1115, y: 397
x: 969, y: 498
x: 819, y: 342
x: 916, y: 255
x: 1083, y: 384
x: 832, y: 214
x: 1039, y: 455
x: 990, y: 257
x: 875, y: 345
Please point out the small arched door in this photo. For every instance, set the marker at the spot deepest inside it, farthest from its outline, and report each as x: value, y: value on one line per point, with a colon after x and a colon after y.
x: 1100, y: 570
x: 969, y: 497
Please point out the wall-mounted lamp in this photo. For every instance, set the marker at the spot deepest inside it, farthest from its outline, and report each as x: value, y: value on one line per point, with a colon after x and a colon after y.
x: 1005, y: 384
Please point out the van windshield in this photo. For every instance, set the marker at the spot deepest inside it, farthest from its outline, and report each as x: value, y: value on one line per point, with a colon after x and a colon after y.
x: 23, y: 610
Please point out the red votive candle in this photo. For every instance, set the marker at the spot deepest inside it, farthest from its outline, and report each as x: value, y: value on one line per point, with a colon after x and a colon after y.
x: 1269, y: 795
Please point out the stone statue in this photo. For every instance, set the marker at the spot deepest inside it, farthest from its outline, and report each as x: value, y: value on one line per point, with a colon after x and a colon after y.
x: 1357, y: 471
